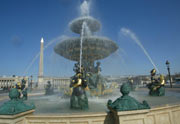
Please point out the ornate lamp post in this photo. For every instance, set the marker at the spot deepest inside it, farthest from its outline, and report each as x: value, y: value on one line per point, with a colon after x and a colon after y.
x: 168, y: 68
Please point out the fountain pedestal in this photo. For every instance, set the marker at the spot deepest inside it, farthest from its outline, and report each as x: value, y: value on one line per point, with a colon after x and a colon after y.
x: 126, y: 102
x: 15, y: 105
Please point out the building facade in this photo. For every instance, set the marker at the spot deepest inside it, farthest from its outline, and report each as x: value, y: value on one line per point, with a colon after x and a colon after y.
x: 9, y: 82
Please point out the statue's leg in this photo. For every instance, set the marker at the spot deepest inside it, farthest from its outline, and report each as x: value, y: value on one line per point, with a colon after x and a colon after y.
x: 153, y: 91
x: 74, y: 102
x: 24, y: 95
x: 83, y: 101
x: 161, y: 91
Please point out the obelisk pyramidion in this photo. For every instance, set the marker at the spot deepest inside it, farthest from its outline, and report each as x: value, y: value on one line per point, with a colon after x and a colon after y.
x: 40, y: 76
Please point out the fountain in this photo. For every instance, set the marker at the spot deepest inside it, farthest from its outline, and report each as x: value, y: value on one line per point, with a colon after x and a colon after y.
x: 94, y: 47
x: 87, y: 48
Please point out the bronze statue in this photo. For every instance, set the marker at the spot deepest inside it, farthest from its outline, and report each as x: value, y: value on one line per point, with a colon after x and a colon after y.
x: 76, y: 67
x: 156, y: 87
x: 49, y: 89
x: 21, y: 87
x: 79, y: 86
x: 126, y: 102
x: 98, y: 68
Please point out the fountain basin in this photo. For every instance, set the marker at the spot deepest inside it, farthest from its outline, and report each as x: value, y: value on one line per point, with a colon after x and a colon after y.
x: 94, y: 48
x: 92, y: 23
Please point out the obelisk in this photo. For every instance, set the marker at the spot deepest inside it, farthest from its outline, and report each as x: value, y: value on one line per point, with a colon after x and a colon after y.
x: 40, y: 76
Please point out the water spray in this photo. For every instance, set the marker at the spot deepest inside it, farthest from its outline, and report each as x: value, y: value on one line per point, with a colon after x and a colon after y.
x: 85, y: 8
x: 82, y: 35
x: 132, y: 35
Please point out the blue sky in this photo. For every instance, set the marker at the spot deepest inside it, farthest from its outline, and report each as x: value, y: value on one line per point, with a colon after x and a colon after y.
x: 156, y: 23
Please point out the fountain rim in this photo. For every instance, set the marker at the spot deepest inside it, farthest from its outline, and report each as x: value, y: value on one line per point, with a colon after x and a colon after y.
x: 76, y: 24
x: 59, y: 48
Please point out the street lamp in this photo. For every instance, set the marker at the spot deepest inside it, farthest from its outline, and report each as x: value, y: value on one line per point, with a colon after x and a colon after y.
x: 168, y: 68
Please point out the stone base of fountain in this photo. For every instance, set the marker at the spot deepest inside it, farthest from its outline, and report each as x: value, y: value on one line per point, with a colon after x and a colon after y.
x: 159, y: 115
x: 15, y: 119
x: 53, y: 110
